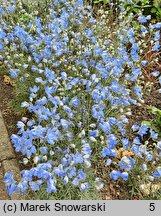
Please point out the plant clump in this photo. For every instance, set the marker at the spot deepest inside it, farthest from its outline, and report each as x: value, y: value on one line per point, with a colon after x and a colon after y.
x: 80, y: 76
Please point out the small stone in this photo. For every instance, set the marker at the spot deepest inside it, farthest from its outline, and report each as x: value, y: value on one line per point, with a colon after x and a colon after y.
x: 107, y: 198
x: 6, y: 149
x: 146, y: 188
x: 155, y: 187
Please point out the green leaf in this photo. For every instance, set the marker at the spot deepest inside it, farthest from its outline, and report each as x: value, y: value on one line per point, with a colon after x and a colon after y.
x: 105, y: 1
x: 153, y: 10
x: 128, y: 8
x: 135, y: 24
x: 159, y: 10
x: 136, y: 10
x: 146, y: 6
x: 154, y: 110
x: 157, y: 3
x: 147, y: 123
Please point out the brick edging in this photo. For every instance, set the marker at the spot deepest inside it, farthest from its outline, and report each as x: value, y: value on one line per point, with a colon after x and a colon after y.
x: 8, y: 157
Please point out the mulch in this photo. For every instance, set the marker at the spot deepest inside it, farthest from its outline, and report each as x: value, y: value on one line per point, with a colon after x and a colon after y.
x: 6, y: 95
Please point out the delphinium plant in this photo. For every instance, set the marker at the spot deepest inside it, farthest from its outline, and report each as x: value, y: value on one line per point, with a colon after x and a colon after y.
x: 80, y: 82
x: 140, y: 41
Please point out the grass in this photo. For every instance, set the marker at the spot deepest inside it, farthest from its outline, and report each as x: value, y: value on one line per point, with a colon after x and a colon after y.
x: 65, y: 192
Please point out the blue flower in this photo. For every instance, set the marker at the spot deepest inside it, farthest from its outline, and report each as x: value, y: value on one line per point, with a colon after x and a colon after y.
x: 68, y: 110
x: 115, y: 174
x: 157, y: 174
x: 59, y: 171
x: 51, y: 185
x: 135, y: 149
x: 96, y: 95
x: 104, y: 152
x: 72, y: 172
x: 142, y: 19
x: 108, y: 162
x: 115, y: 87
x: 75, y: 102
x: 38, y: 131
x: 159, y: 145
x: 157, y: 35
x: 76, y: 181
x: 160, y: 80
x: 149, y: 157
x: 111, y: 140
x: 97, y: 111
x: 10, y: 183
x: 126, y: 143
x: 34, y: 89
x: 14, y: 72
x: 143, y: 29
x: 94, y: 133
x: 136, y: 72
x: 23, y: 186
x: 156, y: 46
x: 84, y: 186
x: 1, y: 45
x: 2, y: 34
x: 155, y: 73
x: 135, y: 56
x: 49, y: 74
x: 112, y: 121
x: 98, y: 51
x: 143, y: 130
x: 89, y: 33
x: 64, y: 123
x: 144, y: 62
x: 138, y: 91
x: 124, y: 176
x: 105, y: 126
x: 153, y: 135
x: 52, y: 136
x: 77, y: 158
x: 135, y: 127
x: 111, y: 152
x: 65, y: 180
x: 144, y: 167
x: 137, y: 141
x: 81, y: 174
x: 127, y: 163
x: 35, y: 185
x: 124, y: 119
x: 44, y: 150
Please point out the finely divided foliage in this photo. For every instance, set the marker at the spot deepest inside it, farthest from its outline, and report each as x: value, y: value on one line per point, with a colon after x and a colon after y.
x: 81, y: 84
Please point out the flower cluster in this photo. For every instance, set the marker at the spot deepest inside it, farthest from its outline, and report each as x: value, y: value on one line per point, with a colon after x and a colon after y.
x: 80, y: 88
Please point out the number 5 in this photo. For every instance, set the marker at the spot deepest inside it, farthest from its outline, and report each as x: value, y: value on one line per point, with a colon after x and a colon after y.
x: 152, y: 207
